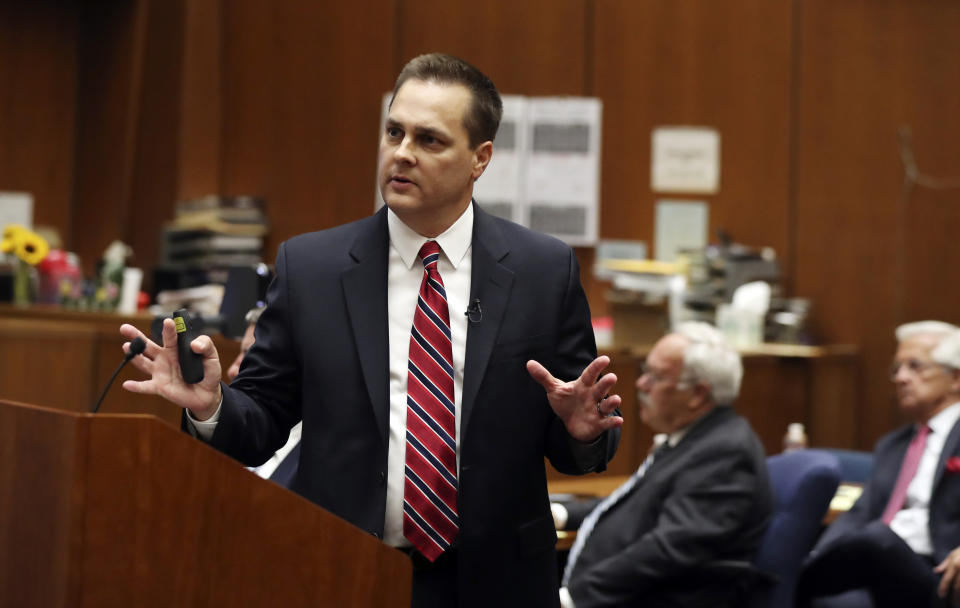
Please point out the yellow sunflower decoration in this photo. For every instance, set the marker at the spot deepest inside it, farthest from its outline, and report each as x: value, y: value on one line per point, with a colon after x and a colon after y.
x: 11, y: 234
x: 26, y: 244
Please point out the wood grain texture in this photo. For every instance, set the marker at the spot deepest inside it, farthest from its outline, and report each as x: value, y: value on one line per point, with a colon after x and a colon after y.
x: 201, y: 100
x: 63, y: 360
x: 868, y: 259
x: 135, y: 513
x: 40, y: 506
x: 724, y: 66
x: 302, y: 88
x: 122, y: 107
x: 38, y: 117
x: 110, y: 52
x: 527, y: 48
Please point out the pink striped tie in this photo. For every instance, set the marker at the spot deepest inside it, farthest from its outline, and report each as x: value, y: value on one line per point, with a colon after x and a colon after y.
x: 907, y: 470
x: 430, y: 520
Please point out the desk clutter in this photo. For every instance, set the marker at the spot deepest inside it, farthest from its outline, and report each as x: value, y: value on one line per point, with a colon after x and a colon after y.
x: 734, y: 286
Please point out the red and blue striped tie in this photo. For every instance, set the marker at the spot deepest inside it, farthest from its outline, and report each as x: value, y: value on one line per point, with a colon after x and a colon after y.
x: 430, y: 519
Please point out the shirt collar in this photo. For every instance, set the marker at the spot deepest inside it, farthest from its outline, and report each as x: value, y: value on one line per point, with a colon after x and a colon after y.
x: 944, y: 420
x: 454, y: 242
x: 674, y: 438
x: 671, y: 440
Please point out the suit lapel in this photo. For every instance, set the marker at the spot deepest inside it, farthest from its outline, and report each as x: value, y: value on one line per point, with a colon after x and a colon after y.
x: 365, y: 291
x: 490, y: 283
x: 659, y: 467
x: 701, y: 427
x: 949, y: 448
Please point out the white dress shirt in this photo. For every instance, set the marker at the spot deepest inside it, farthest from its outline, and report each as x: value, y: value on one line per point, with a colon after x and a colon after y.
x: 912, y: 522
x: 405, y: 272
x: 266, y: 469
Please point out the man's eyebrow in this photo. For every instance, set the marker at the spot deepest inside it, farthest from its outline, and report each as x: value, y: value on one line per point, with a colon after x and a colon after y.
x: 417, y: 129
x: 430, y: 131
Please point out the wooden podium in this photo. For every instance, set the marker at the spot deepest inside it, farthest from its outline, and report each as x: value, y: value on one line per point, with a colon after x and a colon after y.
x: 124, y: 510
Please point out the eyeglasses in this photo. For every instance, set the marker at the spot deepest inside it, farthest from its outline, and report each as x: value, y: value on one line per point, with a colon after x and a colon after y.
x: 914, y: 366
x: 655, y: 376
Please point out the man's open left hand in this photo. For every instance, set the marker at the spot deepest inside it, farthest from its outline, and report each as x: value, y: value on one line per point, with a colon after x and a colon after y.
x: 582, y: 404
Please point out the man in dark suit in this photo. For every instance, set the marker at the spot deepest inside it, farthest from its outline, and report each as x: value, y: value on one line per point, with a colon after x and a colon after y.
x: 431, y: 439
x: 898, y: 544
x: 702, y: 495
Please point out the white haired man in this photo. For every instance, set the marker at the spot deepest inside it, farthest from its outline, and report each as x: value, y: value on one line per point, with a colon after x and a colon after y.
x: 898, y: 545
x: 703, y: 495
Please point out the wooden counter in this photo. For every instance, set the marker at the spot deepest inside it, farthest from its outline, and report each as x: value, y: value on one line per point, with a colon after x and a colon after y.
x: 63, y: 359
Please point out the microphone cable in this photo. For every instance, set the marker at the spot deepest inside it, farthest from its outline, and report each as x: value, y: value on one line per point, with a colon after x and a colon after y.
x: 137, y: 346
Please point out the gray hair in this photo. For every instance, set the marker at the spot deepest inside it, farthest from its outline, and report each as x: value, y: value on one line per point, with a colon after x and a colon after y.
x: 947, y: 350
x: 709, y: 359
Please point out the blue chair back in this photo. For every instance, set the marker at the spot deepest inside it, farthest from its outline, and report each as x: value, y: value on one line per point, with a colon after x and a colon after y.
x: 803, y: 483
x: 855, y: 465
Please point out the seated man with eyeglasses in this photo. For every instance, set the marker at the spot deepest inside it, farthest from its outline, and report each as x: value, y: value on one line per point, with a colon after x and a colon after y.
x: 898, y: 545
x: 703, y: 495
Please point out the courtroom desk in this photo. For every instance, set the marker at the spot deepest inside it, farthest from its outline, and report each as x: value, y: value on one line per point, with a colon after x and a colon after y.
x: 782, y: 383
x: 63, y: 359
x: 848, y: 492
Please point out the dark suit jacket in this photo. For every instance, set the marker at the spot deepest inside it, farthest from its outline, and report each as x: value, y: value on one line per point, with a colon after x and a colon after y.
x: 944, y: 500
x: 321, y: 353
x: 708, y: 498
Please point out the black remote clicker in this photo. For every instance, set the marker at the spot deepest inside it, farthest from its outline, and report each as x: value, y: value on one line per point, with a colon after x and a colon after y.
x: 191, y: 363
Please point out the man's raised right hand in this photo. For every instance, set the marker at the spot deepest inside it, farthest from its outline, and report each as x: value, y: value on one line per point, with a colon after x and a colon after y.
x: 163, y: 367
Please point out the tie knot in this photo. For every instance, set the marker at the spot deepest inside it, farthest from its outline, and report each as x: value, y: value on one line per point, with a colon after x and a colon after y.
x: 430, y: 254
x: 923, y: 431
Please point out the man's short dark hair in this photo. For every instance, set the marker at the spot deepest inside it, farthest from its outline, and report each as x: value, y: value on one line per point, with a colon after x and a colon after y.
x: 483, y: 119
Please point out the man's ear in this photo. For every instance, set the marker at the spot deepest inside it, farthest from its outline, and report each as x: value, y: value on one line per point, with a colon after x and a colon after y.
x: 481, y: 158
x: 955, y: 382
x: 701, y: 396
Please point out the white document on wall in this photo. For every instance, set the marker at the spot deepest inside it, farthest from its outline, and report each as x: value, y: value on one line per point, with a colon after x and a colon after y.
x: 679, y: 225
x: 500, y: 189
x: 562, y: 183
x: 16, y: 208
x: 685, y: 159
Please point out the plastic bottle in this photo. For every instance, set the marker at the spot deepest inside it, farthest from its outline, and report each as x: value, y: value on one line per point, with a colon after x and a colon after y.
x: 796, y: 437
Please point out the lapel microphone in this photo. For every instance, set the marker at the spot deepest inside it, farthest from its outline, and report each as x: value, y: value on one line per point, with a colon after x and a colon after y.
x: 473, y: 312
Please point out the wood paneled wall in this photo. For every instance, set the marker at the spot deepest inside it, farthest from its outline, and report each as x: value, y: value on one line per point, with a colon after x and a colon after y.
x: 38, y: 92
x: 121, y: 107
x: 869, y: 257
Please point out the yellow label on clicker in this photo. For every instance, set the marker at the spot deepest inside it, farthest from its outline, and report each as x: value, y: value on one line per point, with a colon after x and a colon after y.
x: 181, y: 326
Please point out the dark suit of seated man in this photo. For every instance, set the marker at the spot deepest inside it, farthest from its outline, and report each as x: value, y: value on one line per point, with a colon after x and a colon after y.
x: 899, y: 541
x: 704, y: 495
